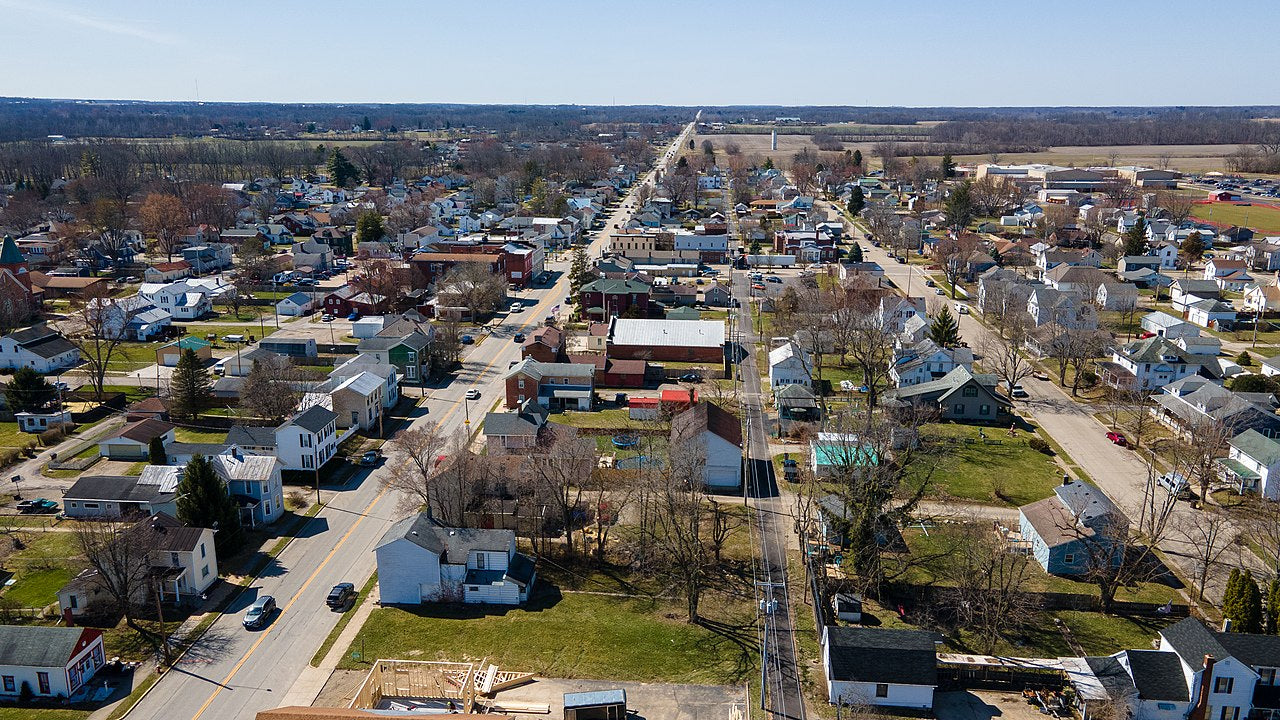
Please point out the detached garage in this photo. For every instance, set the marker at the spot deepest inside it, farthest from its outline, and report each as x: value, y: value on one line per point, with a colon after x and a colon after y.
x: 888, y: 668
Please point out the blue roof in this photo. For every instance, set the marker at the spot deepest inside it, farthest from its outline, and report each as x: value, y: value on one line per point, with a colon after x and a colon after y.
x: 299, y: 298
x: 595, y: 697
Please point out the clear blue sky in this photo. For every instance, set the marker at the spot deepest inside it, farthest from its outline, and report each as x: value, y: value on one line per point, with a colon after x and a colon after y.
x: 855, y: 52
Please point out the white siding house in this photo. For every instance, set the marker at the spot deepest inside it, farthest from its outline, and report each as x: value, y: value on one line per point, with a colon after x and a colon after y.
x: 789, y: 364
x: 874, y: 666
x: 51, y: 662
x: 39, y: 348
x: 420, y: 561
x: 714, y: 437
x: 299, y: 303
x: 308, y: 440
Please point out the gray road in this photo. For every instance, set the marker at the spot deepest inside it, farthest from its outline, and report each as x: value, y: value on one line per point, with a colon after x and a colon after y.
x: 234, y: 673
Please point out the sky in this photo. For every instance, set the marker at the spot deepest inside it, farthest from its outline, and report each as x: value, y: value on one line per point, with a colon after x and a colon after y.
x: 695, y: 52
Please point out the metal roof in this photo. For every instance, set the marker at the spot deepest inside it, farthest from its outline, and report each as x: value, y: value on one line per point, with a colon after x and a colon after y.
x: 667, y: 333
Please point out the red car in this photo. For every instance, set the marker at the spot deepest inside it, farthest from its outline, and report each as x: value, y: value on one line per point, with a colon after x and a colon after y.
x: 1118, y: 439
x: 757, y: 286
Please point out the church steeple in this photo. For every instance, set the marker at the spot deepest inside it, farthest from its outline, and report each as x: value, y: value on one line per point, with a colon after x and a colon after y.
x: 11, y: 257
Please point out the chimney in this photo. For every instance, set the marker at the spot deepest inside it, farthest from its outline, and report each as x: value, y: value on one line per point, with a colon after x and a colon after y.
x: 1226, y: 625
x: 1200, y: 710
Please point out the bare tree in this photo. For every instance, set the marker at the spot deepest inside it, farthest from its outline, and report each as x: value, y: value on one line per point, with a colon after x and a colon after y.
x: 871, y: 350
x: 1177, y: 206
x: 985, y: 583
x: 677, y: 523
x: 272, y: 389
x: 1196, y: 455
x: 164, y: 218
x: 953, y: 252
x: 1002, y: 357
x: 419, y: 453
x: 475, y: 287
x: 1262, y: 522
x: 561, y: 474
x: 1207, y: 535
x: 97, y: 328
x: 120, y: 562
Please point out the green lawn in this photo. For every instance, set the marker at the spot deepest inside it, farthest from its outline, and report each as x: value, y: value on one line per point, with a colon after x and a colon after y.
x: 610, y: 419
x: 1265, y: 220
x: 38, y: 588
x: 570, y: 636
x: 133, y: 356
x: 188, y: 435
x: 25, y: 713
x: 133, y: 393
x: 10, y: 436
x: 976, y: 470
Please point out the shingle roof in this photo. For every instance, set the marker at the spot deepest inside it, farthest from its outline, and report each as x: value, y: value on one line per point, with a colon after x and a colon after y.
x: 508, y: 425
x: 1257, y: 446
x: 709, y: 417
x: 907, y: 657
x: 248, y: 436
x: 115, y: 488
x: 315, y: 419
x: 42, y: 646
x: 1157, y: 675
x: 143, y: 430
x: 165, y: 532
x: 206, y: 449
x: 453, y: 545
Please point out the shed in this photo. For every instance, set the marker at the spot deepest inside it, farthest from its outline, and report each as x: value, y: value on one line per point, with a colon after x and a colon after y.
x: 642, y: 408
x: 596, y: 705
x: 169, y: 354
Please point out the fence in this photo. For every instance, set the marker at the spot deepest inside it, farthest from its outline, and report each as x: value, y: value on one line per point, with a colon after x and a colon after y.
x: 928, y: 594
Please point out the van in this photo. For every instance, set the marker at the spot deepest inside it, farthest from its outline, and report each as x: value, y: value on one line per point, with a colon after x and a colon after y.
x: 220, y: 367
x: 1175, y: 484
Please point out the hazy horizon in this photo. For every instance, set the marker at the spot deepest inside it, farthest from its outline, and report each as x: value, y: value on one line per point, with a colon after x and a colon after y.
x: 965, y: 54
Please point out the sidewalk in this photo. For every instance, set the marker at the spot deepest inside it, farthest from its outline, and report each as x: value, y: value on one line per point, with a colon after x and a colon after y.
x: 307, y: 687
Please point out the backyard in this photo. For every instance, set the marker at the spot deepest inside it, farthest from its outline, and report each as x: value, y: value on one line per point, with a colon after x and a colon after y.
x: 997, y: 468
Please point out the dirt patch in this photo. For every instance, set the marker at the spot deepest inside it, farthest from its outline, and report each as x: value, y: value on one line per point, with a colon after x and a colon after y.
x: 340, y: 688
x: 983, y: 705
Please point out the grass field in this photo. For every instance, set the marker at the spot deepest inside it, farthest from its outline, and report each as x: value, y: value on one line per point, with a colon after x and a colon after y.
x: 26, y: 713
x: 46, y: 563
x: 569, y: 636
x: 10, y: 436
x: 1008, y: 473
x: 188, y: 435
x: 1261, y: 218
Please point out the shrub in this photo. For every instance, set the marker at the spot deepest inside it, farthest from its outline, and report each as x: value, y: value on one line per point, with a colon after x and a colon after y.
x: 10, y: 457
x: 1243, y: 359
x: 1039, y: 445
x: 52, y: 436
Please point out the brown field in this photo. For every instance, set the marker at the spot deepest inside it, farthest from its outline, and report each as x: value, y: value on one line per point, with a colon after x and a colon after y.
x: 1187, y: 158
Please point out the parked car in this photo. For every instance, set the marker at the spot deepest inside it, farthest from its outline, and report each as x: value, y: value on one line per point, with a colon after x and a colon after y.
x: 326, y: 318
x: 1018, y: 392
x: 517, y: 307
x: 1118, y: 439
x: 518, y: 337
x: 340, y: 595
x: 37, y: 506
x: 757, y: 286
x: 691, y: 377
x: 466, y: 340
x: 473, y: 394
x: 259, y: 613
x: 370, y: 458
x: 962, y: 308
x: 773, y: 279
x: 846, y: 385
x: 930, y: 283
x: 1176, y: 484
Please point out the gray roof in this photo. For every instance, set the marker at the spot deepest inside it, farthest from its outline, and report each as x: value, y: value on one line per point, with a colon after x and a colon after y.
x: 206, y: 449
x: 315, y: 419
x: 453, y: 545
x: 115, y: 488
x: 1255, y: 445
x: 667, y: 333
x: 877, y: 655
x: 1192, y: 640
x: 508, y: 425
x: 536, y: 369
x: 39, y: 646
x: 947, y: 384
x: 1157, y: 675
x: 249, y: 436
x: 298, y: 298
x: 50, y: 347
x: 378, y: 343
x: 364, y: 384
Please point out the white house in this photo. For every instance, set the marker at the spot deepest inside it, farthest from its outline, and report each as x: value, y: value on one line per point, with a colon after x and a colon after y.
x: 308, y: 440
x: 790, y: 364
x: 880, y: 667
x: 299, y: 303
x: 1167, y: 326
x: 38, y: 347
x: 357, y: 400
x: 1148, y: 364
x: 1231, y: 665
x: 1117, y: 296
x: 51, y: 662
x: 363, y: 363
x: 1261, y: 298
x: 714, y: 437
x: 1168, y: 254
x: 184, y: 299
x: 894, y: 311
x: 1252, y: 458
x: 925, y: 361
x: 1183, y: 293
x: 1211, y: 314
x: 167, y: 271
x: 1147, y: 682
x: 420, y: 561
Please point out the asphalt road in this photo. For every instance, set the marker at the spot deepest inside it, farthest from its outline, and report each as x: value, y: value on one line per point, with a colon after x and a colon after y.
x: 234, y: 673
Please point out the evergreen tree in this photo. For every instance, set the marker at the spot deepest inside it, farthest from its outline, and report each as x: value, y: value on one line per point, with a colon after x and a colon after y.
x: 156, y: 454
x: 857, y: 158
x: 857, y: 200
x: 855, y: 253
x: 1251, y: 620
x: 1231, y: 596
x: 365, y: 124
x: 1135, y: 239
x: 578, y: 276
x: 342, y: 172
x: 369, y: 226
x: 959, y: 206
x: 28, y: 391
x: 1244, y: 359
x: 948, y: 166
x: 1192, y: 248
x: 944, y: 330
x: 1272, y: 626
x: 755, y: 248
x: 190, y: 387
x: 203, y: 501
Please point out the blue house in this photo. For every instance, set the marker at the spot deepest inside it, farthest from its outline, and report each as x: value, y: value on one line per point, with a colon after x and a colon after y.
x: 1076, y: 530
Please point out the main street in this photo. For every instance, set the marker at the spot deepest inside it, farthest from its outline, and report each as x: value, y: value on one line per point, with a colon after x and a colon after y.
x: 234, y: 673
x: 1121, y: 473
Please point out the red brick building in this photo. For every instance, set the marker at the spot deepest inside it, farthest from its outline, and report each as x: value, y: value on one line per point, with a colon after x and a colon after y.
x: 605, y: 298
x: 346, y: 299
x: 518, y: 262
x: 546, y: 344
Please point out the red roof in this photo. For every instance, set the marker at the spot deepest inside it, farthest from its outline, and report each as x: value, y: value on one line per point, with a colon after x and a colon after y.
x: 643, y: 402
x: 172, y: 266
x: 678, y: 396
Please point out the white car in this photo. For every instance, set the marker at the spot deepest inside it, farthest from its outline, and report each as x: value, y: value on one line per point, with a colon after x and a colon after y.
x: 517, y: 307
x: 473, y: 394
x: 846, y: 385
x: 962, y: 308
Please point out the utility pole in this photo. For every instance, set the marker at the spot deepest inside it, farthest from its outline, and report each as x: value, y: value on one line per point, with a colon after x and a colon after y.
x: 164, y: 635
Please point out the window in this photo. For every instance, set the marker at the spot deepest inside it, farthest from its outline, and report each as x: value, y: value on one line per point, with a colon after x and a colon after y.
x: 43, y: 679
x: 204, y: 571
x: 174, y: 560
x: 91, y: 506
x: 1223, y: 685
x: 307, y: 462
x: 480, y: 561
x: 75, y: 602
x: 355, y: 417
x: 882, y: 690
x: 520, y: 383
x: 9, y: 685
x: 201, y: 549
x: 1266, y: 676
x: 1166, y: 706
x: 1069, y: 559
x: 1229, y: 712
x: 473, y: 588
x: 958, y: 409
x: 970, y: 391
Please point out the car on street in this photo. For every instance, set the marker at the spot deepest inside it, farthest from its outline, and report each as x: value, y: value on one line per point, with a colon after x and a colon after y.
x: 473, y: 394
x: 757, y: 286
x: 773, y: 279
x: 1176, y: 484
x: 518, y: 337
x: 370, y: 458
x: 962, y: 308
x: 1040, y: 375
x: 930, y: 283
x: 938, y: 291
x: 340, y: 595
x: 1118, y: 439
x: 691, y: 377
x: 326, y: 318
x: 517, y: 307
x: 1018, y: 392
x: 259, y: 613
x: 466, y: 340
x: 37, y: 506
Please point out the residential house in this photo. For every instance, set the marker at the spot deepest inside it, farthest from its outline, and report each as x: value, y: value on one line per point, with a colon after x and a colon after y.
x: 869, y: 666
x: 169, y: 353
x: 546, y: 344
x: 297, y: 304
x: 925, y: 361
x: 710, y: 439
x: 833, y: 454
x: 49, y: 662
x: 357, y: 401
x: 38, y: 347
x: 114, y: 497
x: 38, y: 422
x: 183, y: 300
x: 409, y: 353
x: 517, y: 430
x: 1261, y: 298
x: 310, y: 256
x: 1183, y: 293
x: 388, y: 373
x: 717, y: 296
x: 1117, y: 296
x: 611, y: 373
x: 1075, y: 278
x: 133, y: 317
x: 420, y: 561
x: 1047, y: 306
x: 1271, y: 366
x: 308, y: 440
x: 252, y: 439
x: 253, y: 481
x: 208, y: 258
x: 133, y: 441
x: 1193, y: 403
x: 1252, y: 460
x: 1145, y: 684
x: 790, y: 364
x: 1205, y: 346
x: 1230, y: 275
x: 895, y: 309
x: 167, y: 272
x: 1211, y: 314
x: 1129, y: 263
x: 1263, y: 255
x: 552, y: 385
x: 181, y: 562
x: 607, y: 297
x: 348, y: 300
x: 1147, y: 364
x: 1075, y: 531
x: 1234, y: 674
x: 959, y: 395
x: 796, y: 404
x: 1167, y: 326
